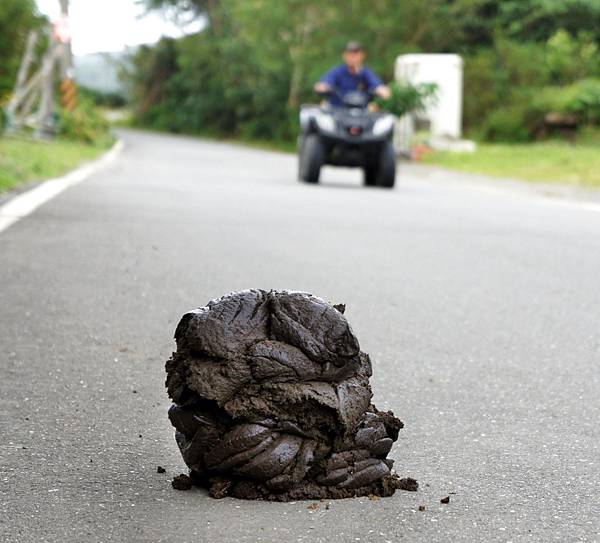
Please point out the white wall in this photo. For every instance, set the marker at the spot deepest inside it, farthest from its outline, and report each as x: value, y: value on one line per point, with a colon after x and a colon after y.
x: 445, y: 114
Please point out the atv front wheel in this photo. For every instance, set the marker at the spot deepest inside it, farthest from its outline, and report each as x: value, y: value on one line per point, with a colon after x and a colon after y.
x: 386, y: 172
x: 312, y: 156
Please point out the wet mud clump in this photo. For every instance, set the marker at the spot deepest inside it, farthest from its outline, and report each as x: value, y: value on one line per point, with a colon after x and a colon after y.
x: 271, y: 400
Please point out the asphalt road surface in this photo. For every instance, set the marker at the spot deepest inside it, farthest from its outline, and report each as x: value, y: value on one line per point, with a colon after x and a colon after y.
x: 481, y: 312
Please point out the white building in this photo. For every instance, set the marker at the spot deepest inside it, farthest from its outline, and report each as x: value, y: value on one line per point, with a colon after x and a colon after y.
x: 443, y: 115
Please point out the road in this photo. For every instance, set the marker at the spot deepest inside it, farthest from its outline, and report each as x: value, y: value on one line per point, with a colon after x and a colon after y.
x: 480, y: 310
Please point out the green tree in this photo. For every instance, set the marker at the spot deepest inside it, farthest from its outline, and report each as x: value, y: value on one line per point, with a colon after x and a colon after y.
x: 17, y: 19
x: 538, y: 20
x: 256, y: 61
x: 570, y: 58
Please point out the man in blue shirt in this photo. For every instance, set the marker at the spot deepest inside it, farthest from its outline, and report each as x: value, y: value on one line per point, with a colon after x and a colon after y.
x: 351, y: 76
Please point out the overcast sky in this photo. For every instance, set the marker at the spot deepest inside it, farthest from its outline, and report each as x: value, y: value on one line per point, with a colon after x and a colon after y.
x: 111, y: 25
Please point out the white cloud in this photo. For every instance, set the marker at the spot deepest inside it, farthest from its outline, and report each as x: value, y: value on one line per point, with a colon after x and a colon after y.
x: 112, y: 25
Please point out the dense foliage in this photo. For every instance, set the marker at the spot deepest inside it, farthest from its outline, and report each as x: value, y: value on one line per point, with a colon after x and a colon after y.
x: 17, y: 19
x: 85, y: 123
x: 248, y: 71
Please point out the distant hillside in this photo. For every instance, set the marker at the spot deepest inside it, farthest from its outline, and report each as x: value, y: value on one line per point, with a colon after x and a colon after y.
x: 100, y: 71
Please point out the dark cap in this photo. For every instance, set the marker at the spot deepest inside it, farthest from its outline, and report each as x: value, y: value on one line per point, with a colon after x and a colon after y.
x: 354, y: 47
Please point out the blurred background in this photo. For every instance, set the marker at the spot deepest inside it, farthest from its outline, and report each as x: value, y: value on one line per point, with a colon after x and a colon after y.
x: 241, y: 68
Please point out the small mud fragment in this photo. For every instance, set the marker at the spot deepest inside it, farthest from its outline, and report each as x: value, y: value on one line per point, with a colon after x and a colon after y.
x: 160, y: 469
x: 409, y: 484
x: 181, y: 482
x: 445, y: 500
x: 422, y: 508
x: 313, y: 506
x: 271, y: 400
x: 219, y: 488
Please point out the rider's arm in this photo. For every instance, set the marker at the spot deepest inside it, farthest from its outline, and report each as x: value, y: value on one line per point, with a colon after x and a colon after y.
x: 327, y: 82
x: 376, y: 85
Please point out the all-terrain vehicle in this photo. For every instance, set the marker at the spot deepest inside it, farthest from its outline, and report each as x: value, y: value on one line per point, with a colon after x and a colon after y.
x: 347, y: 135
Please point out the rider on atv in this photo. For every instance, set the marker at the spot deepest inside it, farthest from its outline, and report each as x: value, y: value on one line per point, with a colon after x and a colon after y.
x: 351, y: 76
x: 347, y: 132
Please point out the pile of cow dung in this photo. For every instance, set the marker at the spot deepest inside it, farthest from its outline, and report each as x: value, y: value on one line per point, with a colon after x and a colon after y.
x: 272, y: 401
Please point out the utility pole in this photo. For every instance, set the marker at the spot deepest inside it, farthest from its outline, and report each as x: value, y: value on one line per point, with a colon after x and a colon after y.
x: 27, y: 61
x: 46, y: 121
x: 68, y: 89
x: 67, y: 54
x: 59, y: 53
x: 21, y: 89
x: 40, y: 88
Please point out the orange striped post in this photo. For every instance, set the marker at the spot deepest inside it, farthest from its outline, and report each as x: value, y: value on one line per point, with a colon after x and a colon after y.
x: 68, y: 94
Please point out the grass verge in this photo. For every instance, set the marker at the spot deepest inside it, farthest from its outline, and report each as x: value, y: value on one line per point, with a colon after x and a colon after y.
x: 23, y: 161
x: 547, y: 162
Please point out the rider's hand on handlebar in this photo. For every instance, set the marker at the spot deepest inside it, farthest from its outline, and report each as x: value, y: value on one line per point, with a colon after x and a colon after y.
x: 323, y: 88
x: 383, y: 91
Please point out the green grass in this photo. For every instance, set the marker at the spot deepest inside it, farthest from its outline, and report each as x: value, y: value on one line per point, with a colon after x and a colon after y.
x: 24, y: 161
x: 551, y: 162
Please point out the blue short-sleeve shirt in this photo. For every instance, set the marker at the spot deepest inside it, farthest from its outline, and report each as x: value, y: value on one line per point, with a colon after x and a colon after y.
x: 342, y: 80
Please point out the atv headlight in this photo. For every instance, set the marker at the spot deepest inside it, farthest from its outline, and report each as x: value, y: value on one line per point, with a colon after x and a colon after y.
x: 325, y: 122
x: 383, y: 125
x: 304, y: 117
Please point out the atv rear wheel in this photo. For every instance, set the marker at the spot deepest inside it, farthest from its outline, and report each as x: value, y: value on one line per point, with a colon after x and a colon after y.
x: 370, y: 176
x: 386, y: 171
x: 312, y: 156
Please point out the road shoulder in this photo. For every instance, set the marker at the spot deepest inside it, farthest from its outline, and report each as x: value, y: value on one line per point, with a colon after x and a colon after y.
x: 560, y: 193
x: 20, y: 204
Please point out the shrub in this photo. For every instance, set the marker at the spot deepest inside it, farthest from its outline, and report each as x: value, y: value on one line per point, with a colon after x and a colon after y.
x: 585, y: 101
x: 481, y: 89
x: 516, y: 123
x: 496, y: 78
x: 570, y: 58
x: 406, y: 98
x: 521, y: 64
x: 581, y: 99
x: 85, y: 124
x: 523, y: 118
x: 106, y: 99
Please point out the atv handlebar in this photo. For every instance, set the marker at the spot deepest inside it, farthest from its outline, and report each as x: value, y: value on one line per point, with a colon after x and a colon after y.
x: 346, y: 99
x: 333, y: 91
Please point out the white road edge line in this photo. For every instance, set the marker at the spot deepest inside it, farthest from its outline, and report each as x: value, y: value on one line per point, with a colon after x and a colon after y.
x: 574, y: 205
x: 24, y: 204
x: 555, y: 201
